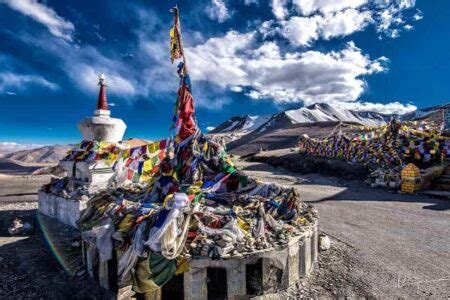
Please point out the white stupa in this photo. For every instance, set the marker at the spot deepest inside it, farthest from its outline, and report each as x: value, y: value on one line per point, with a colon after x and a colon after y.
x: 95, y: 175
x: 101, y: 127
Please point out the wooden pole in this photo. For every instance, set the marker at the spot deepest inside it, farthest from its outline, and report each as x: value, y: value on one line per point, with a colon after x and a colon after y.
x: 180, y: 39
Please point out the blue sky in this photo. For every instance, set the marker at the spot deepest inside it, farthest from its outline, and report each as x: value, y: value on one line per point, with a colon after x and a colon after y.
x: 244, y: 57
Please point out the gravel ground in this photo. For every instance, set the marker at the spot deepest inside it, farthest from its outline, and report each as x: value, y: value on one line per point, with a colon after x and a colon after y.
x: 28, y: 264
x: 385, y: 244
x: 30, y: 269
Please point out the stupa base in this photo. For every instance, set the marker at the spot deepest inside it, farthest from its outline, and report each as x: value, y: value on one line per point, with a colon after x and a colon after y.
x: 64, y: 210
x: 262, y: 273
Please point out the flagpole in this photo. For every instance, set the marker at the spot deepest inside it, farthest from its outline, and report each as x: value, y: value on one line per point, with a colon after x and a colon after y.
x: 177, y: 24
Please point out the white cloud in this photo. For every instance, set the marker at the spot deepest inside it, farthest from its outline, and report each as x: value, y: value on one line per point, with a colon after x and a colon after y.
x: 408, y: 27
x: 217, y: 10
x: 45, y: 15
x: 345, y: 23
x: 236, y: 61
x: 10, y: 80
x: 82, y: 64
x: 390, y: 18
x: 300, y: 30
x: 87, y: 77
x: 308, y: 77
x: 388, y: 108
x: 418, y: 16
x: 11, y: 93
x: 249, y: 2
x: 209, y: 128
x: 279, y: 8
x: 326, y: 19
x: 10, y: 147
x: 307, y: 7
x: 149, y: 75
x: 303, y: 31
x: 211, y: 102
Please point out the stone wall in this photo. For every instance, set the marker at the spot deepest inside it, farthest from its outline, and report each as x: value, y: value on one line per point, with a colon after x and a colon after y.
x: 262, y: 274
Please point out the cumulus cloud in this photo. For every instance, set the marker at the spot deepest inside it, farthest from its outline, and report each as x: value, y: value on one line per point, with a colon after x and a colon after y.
x: 217, y: 10
x: 326, y: 19
x: 236, y: 89
x: 307, y: 7
x: 119, y: 84
x: 300, y: 30
x: 266, y: 72
x: 388, y: 108
x: 209, y: 128
x: 279, y: 8
x: 44, y: 15
x: 305, y: 30
x: 237, y: 62
x: 9, y: 80
x: 83, y: 63
x: 345, y: 23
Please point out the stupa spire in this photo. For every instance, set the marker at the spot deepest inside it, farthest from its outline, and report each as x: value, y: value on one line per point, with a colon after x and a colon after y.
x: 102, y: 103
x: 101, y: 127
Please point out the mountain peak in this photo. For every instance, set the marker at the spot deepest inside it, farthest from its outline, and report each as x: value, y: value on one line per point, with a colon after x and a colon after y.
x: 317, y: 112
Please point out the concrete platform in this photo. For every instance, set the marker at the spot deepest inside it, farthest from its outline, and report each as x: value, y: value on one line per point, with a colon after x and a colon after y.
x: 262, y: 273
x: 64, y: 210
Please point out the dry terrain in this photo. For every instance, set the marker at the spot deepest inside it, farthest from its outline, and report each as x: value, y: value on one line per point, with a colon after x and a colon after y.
x: 28, y: 262
x: 385, y: 244
x: 281, y: 138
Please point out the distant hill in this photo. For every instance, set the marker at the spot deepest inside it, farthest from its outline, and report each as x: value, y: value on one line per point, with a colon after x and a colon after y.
x: 283, y: 129
x: 9, y: 147
x: 433, y: 113
x: 282, y: 138
x: 43, y: 155
x: 319, y: 112
x: 244, y: 124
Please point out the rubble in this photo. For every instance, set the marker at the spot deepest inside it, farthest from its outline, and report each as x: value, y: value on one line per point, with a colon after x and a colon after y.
x: 324, y: 242
x: 18, y: 227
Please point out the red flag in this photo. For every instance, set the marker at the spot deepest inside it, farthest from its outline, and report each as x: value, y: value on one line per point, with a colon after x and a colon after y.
x: 186, y: 111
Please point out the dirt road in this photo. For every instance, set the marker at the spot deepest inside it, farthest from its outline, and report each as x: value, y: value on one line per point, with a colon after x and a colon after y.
x: 400, y: 243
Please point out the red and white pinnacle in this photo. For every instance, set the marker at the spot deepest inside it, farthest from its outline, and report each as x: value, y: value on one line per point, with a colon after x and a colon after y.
x: 102, y: 103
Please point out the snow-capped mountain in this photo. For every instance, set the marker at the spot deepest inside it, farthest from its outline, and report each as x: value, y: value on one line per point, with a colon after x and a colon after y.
x: 242, y: 125
x: 432, y: 112
x: 322, y: 112
x: 319, y: 112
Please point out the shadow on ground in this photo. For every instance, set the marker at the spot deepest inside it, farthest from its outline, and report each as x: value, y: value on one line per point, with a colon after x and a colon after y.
x: 354, y: 190
x: 43, y: 263
x: 11, y: 168
x: 382, y: 195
